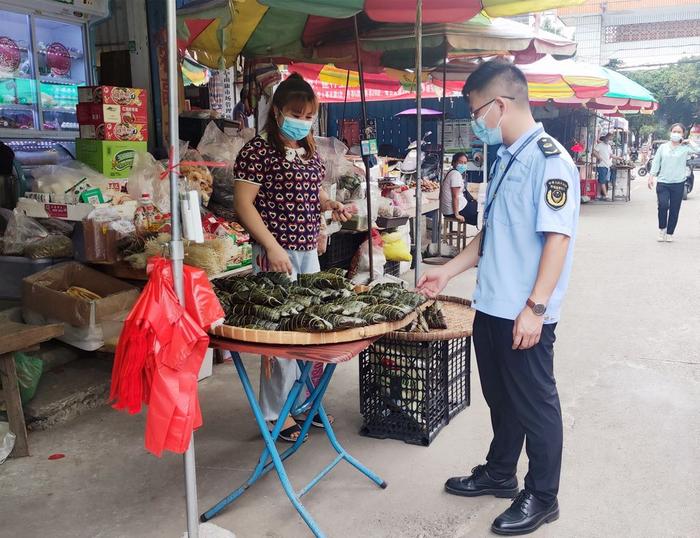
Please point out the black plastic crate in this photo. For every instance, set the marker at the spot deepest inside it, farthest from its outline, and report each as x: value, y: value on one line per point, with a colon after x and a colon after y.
x: 410, y: 390
x: 392, y: 268
x: 342, y: 246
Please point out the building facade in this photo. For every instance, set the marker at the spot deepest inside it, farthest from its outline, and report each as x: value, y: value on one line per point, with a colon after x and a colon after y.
x: 637, y: 32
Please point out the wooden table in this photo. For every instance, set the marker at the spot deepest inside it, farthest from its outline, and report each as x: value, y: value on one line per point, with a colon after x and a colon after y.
x: 15, y: 337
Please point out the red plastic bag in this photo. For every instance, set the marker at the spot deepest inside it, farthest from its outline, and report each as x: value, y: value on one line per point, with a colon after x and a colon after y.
x: 159, y: 355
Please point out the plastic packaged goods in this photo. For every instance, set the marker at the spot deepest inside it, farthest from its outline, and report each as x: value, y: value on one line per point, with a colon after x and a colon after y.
x: 145, y: 216
x: 21, y: 231
x: 149, y: 176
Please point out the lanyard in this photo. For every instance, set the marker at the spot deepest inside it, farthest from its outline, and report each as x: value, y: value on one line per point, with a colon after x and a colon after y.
x: 487, y: 209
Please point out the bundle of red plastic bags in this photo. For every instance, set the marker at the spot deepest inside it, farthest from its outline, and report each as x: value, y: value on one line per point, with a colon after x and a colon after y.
x: 160, y: 352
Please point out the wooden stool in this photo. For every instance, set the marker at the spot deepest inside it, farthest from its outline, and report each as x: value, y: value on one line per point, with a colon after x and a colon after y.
x: 16, y: 337
x: 454, y: 233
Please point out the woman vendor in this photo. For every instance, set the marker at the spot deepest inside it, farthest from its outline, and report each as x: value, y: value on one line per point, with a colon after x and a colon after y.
x: 453, y: 202
x: 280, y: 201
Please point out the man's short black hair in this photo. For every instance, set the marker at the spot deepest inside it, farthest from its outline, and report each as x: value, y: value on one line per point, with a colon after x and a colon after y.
x: 501, y: 71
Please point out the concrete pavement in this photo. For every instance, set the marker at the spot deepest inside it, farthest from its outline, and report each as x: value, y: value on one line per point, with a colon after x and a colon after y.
x: 628, y: 368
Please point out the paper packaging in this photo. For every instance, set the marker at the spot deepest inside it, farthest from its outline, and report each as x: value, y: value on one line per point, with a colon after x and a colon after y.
x: 113, y: 95
x: 43, y: 293
x: 95, y: 114
x: 133, y: 132
x: 111, y: 158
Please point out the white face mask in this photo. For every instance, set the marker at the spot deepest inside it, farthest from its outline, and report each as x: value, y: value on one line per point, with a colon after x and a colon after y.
x: 676, y: 137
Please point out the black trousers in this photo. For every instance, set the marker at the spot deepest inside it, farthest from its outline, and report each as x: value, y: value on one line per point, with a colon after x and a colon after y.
x: 670, y: 196
x: 521, y: 393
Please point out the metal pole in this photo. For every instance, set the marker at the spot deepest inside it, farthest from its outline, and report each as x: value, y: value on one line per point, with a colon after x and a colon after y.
x: 345, y: 102
x: 419, y: 136
x: 437, y: 222
x: 176, y: 248
x: 368, y: 181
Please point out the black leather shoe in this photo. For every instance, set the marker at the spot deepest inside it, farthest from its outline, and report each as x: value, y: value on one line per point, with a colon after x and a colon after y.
x: 481, y: 483
x: 525, y: 515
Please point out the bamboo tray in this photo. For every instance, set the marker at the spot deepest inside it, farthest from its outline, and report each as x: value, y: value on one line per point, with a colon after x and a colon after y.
x: 295, y: 338
x: 459, y: 316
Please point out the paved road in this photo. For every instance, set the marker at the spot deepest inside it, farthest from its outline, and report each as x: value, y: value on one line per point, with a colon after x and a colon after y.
x: 628, y: 370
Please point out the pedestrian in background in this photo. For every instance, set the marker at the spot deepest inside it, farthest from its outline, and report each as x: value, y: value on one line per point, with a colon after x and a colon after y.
x: 669, y: 171
x: 603, y: 153
x: 455, y: 201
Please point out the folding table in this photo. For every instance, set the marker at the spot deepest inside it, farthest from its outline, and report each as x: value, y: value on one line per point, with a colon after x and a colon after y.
x: 270, y: 458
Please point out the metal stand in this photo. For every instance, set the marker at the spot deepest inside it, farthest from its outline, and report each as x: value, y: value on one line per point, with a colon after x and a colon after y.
x: 271, y: 458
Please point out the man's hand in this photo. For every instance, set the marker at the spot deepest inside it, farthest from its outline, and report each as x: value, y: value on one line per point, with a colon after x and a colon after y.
x: 527, y: 329
x: 433, y: 282
x: 650, y: 182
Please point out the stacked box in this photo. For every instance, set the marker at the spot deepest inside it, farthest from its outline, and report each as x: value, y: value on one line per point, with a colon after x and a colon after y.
x: 113, y: 127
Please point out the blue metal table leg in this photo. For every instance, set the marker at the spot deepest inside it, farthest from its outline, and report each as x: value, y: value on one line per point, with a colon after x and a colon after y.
x: 317, y: 394
x: 270, y: 448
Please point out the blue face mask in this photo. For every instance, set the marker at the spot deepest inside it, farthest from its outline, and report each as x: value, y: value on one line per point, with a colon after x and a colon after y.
x: 294, y: 128
x: 461, y: 168
x: 489, y: 136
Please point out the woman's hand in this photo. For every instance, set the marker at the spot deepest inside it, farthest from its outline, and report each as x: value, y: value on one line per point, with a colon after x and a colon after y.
x: 278, y: 260
x: 340, y: 212
x: 650, y: 182
x: 459, y: 217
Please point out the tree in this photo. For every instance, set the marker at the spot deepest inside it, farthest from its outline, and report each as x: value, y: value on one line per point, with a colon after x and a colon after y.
x: 677, y: 90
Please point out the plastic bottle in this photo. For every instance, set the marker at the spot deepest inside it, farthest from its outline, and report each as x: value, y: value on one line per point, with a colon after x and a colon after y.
x: 145, y: 215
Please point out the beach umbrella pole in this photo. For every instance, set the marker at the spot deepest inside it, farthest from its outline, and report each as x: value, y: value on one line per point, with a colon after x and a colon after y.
x: 438, y: 222
x: 368, y: 180
x: 419, y: 88
x: 176, y: 248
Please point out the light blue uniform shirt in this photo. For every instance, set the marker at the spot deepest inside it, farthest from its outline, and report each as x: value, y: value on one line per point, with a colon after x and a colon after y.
x: 539, y: 194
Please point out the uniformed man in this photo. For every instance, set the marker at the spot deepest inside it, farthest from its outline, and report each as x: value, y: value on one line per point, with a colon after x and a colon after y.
x: 524, y: 253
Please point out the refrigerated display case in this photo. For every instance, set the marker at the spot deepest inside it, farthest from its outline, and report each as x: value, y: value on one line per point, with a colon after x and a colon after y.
x: 44, y: 58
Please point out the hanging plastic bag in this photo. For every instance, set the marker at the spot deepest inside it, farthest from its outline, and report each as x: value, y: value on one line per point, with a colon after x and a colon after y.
x: 217, y: 146
x: 395, y: 248
x: 148, y: 176
x: 359, y: 267
x: 159, y: 355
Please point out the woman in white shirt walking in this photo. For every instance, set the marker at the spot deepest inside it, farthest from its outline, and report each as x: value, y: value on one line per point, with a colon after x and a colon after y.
x: 669, y: 172
x: 453, y: 202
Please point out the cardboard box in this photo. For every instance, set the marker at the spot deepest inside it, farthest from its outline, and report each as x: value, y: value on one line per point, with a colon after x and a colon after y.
x: 44, y: 293
x: 113, y: 95
x: 95, y: 114
x: 132, y: 132
x: 48, y: 210
x: 111, y: 158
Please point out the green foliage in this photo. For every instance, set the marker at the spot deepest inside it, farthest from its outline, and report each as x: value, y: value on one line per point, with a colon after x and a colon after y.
x: 677, y: 89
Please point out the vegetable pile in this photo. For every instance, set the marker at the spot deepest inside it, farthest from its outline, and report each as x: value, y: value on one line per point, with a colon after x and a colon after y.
x: 318, y: 302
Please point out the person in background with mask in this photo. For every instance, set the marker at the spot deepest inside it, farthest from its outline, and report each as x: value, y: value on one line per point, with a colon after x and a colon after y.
x: 603, y: 153
x: 669, y: 171
x: 454, y: 201
x: 524, y: 253
x: 279, y: 200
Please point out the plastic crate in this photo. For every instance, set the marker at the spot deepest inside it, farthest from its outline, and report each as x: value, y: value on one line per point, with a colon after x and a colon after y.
x: 341, y: 249
x: 589, y: 187
x: 392, y: 268
x: 410, y: 390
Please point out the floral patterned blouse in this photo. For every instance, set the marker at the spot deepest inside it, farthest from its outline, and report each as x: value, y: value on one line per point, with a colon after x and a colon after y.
x: 288, y: 200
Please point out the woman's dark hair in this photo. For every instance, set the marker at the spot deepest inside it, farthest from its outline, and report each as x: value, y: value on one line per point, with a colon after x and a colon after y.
x: 457, y: 156
x: 678, y: 125
x: 296, y: 93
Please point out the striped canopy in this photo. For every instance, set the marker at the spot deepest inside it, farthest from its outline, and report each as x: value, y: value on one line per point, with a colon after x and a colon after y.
x: 322, y: 31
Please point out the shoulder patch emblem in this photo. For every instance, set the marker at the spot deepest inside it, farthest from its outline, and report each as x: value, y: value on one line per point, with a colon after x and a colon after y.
x: 556, y: 193
x: 548, y: 147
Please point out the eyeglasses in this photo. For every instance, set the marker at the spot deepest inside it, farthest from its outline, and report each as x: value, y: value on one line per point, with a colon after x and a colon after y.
x: 474, y: 113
